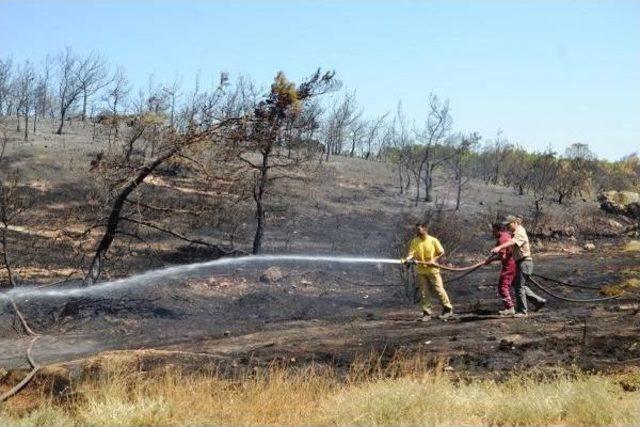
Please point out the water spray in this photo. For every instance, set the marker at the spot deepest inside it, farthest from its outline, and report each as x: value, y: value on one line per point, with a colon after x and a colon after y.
x: 171, y: 272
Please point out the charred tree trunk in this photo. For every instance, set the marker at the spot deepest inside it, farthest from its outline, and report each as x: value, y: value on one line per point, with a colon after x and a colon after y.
x: 428, y: 184
x: 5, y: 258
x: 84, y: 106
x: 418, y: 179
x: 114, y: 217
x: 400, y: 179
x: 3, y: 240
x: 26, y: 125
x: 63, y: 114
x: 258, y: 195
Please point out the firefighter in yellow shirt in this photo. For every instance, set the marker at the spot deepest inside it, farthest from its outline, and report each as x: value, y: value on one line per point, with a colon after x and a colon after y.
x: 424, y: 250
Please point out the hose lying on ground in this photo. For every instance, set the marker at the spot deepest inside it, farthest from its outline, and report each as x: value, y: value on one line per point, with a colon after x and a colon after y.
x: 548, y: 292
x: 560, y: 282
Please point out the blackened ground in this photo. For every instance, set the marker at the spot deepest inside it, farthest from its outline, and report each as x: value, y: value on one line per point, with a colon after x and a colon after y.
x: 330, y: 313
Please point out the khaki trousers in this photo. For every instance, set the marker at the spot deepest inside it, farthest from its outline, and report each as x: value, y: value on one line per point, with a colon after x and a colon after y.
x: 428, y: 284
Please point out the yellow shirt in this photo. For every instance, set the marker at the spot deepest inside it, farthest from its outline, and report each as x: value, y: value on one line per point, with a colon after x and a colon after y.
x: 423, y: 250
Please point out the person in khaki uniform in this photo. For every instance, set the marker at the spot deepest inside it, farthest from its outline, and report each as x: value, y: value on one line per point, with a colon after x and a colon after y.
x: 524, y: 265
x: 424, y: 251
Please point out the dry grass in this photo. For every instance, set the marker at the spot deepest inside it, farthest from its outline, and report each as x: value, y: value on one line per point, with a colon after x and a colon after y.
x: 405, y: 392
x: 629, y: 282
x: 632, y: 246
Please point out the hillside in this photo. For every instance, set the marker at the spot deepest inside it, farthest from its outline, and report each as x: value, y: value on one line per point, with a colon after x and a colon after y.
x: 323, y: 312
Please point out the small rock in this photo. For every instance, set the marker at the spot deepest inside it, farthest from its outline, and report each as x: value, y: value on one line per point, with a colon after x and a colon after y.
x: 427, y: 342
x: 589, y: 246
x: 448, y: 369
x: 271, y: 275
x: 305, y: 282
x: 626, y: 307
x: 226, y: 333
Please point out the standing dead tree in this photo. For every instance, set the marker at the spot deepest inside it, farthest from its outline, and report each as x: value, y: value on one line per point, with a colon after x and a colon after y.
x: 175, y: 144
x: 357, y: 132
x: 24, y: 88
x: 69, y: 86
x: 398, y: 148
x: 116, y: 97
x: 273, y: 126
x: 91, y: 75
x: 459, y: 162
x: 372, y: 134
x: 173, y: 93
x: 14, y: 202
x: 341, y: 117
x: 6, y: 67
x: 574, y: 173
x: 541, y: 175
x: 5, y: 198
x: 437, y: 127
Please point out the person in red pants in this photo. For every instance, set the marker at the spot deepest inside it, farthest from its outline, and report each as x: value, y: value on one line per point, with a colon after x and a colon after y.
x: 507, y: 271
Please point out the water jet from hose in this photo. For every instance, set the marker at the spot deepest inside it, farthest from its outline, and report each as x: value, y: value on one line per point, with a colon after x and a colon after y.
x: 154, y: 276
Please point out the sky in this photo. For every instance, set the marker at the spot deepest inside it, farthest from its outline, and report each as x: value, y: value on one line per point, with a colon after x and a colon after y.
x: 546, y: 73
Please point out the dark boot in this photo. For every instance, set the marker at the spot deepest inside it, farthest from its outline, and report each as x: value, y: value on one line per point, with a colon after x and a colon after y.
x: 446, y: 313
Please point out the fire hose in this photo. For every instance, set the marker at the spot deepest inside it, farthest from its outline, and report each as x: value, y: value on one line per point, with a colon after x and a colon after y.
x: 530, y: 278
x: 467, y: 270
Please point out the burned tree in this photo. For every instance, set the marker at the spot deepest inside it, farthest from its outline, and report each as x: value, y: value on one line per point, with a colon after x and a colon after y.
x: 116, y: 97
x: 574, y: 173
x: 173, y: 93
x: 6, y: 66
x: 123, y: 173
x: 459, y: 162
x: 264, y: 146
x: 91, y: 75
x: 372, y: 135
x: 24, y: 88
x: 174, y: 145
x: 15, y: 201
x: 69, y: 86
x: 540, y: 177
x: 342, y: 116
x: 432, y: 157
x: 398, y: 148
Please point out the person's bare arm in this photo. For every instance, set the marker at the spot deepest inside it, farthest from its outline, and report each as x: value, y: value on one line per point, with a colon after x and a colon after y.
x: 503, y: 246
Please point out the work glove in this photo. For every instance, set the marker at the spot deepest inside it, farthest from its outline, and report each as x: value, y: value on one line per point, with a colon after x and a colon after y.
x: 407, y: 262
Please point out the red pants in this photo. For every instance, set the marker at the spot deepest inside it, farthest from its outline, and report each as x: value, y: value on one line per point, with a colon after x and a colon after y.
x: 507, y: 274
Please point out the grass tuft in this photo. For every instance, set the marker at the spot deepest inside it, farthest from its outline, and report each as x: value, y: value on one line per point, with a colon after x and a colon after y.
x: 632, y: 246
